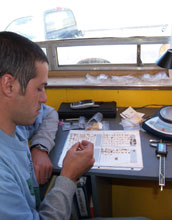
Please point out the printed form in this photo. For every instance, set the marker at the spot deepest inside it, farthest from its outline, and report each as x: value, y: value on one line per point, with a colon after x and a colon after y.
x: 113, y: 149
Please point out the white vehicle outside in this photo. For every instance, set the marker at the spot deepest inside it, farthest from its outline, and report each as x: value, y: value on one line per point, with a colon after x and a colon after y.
x: 94, y: 19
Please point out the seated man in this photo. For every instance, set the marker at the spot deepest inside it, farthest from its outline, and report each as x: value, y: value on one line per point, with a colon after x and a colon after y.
x: 23, y: 77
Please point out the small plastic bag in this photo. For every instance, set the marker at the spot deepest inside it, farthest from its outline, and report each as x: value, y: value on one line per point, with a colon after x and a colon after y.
x: 94, y: 123
x: 129, y: 125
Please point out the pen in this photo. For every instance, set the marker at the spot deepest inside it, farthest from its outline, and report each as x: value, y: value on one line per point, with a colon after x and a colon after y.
x: 72, y: 119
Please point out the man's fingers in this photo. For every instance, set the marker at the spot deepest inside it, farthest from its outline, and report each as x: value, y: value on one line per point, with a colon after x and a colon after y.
x: 43, y: 175
x: 86, y: 145
x: 77, y: 147
x: 50, y: 170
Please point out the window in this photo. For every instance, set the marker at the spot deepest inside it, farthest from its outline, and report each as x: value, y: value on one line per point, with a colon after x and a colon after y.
x: 58, y: 19
x: 102, y: 34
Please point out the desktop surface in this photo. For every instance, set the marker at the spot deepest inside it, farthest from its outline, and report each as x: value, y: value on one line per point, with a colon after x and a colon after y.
x: 150, y: 169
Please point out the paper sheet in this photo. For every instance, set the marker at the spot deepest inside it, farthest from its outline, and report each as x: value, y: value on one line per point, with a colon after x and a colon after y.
x: 113, y: 149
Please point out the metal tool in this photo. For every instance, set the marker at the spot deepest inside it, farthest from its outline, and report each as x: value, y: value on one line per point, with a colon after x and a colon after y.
x: 154, y: 142
x: 161, y: 172
x: 161, y: 153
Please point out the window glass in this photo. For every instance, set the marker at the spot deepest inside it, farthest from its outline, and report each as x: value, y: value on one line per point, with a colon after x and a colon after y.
x: 94, y: 18
x: 66, y: 19
x: 58, y: 20
x: 112, y: 54
x: 149, y: 53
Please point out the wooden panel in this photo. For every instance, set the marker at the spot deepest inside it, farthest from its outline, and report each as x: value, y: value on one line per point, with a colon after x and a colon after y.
x: 141, y: 198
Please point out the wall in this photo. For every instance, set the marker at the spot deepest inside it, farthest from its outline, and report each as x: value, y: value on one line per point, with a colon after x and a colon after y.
x: 134, y: 98
x: 141, y: 198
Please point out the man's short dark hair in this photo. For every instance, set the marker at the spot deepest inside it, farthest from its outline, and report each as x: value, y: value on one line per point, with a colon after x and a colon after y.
x: 18, y: 56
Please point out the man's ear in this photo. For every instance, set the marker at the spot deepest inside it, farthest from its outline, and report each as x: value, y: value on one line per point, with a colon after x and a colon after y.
x: 7, y: 84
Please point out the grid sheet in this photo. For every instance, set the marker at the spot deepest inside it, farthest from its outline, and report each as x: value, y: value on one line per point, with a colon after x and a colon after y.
x: 113, y: 149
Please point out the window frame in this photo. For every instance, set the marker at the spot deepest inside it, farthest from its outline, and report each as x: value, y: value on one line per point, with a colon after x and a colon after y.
x: 51, y: 51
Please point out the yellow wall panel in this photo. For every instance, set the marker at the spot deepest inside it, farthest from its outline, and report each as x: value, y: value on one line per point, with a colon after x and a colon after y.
x: 134, y: 98
x: 141, y: 198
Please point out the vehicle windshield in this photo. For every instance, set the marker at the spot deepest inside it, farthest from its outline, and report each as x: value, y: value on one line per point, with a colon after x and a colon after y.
x: 24, y: 26
x: 58, y: 19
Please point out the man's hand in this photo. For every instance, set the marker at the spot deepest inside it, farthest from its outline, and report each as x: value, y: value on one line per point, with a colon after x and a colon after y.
x: 78, y: 160
x: 42, y: 165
